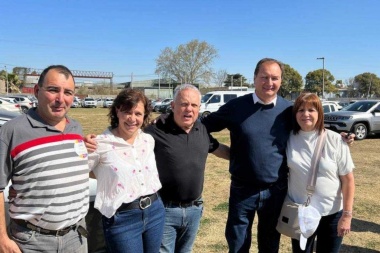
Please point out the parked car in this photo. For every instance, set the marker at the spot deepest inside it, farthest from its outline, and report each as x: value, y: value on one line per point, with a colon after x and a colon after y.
x: 362, y: 118
x: 343, y: 104
x: 24, y: 102
x: 10, y: 100
x: 89, y: 102
x: 211, y: 101
x: 163, y: 102
x: 99, y: 102
x: 169, y: 108
x: 153, y: 103
x: 7, y: 115
x: 76, y: 103
x: 107, y: 102
x: 12, y: 107
x: 163, y: 108
x: 336, y: 103
x: 330, y: 107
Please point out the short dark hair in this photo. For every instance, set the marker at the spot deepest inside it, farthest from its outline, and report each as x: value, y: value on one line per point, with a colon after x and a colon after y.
x: 264, y: 60
x: 125, y: 101
x: 308, y: 99
x: 60, y: 68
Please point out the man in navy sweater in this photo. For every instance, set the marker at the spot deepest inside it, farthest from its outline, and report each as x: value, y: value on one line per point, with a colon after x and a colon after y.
x: 259, y: 126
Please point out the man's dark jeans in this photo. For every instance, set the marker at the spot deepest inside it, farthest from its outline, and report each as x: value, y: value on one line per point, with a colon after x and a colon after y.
x: 245, y: 201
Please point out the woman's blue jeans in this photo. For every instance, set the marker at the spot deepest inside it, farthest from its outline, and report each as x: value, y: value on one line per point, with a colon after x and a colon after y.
x: 136, y: 230
x: 327, y: 235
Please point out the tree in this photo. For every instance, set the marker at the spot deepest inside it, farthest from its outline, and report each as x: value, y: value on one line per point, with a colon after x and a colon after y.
x: 236, y: 80
x: 314, y: 83
x: 188, y: 63
x: 219, y: 77
x: 291, y: 81
x: 21, y: 73
x: 351, y: 89
x: 367, y: 85
x: 13, y: 81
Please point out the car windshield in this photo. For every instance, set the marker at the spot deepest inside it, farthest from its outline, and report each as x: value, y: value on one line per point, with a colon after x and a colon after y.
x: 206, y: 97
x: 360, y: 106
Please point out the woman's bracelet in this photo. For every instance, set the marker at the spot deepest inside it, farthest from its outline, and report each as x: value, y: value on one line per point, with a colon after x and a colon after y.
x: 347, y: 213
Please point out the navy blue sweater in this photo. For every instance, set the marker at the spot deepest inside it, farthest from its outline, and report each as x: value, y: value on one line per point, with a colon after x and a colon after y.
x: 259, y: 134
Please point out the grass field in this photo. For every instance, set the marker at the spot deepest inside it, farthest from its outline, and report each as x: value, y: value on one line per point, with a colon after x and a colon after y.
x: 365, y: 235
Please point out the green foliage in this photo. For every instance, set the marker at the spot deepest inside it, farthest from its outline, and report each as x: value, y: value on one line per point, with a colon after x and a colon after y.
x: 14, y: 84
x: 314, y: 81
x: 235, y: 80
x: 366, y: 85
x: 291, y: 81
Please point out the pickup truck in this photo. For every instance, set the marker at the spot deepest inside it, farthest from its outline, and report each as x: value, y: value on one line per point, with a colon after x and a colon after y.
x: 362, y: 118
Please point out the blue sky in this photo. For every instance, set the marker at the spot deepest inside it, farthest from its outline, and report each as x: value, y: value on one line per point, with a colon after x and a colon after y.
x: 126, y: 36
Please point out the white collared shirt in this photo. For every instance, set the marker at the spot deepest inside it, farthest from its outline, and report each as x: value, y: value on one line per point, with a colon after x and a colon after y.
x: 256, y: 99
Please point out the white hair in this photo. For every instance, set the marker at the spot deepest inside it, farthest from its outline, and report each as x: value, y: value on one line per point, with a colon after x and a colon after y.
x: 185, y: 86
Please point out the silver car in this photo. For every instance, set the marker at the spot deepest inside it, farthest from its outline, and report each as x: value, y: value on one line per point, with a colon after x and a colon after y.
x: 362, y: 118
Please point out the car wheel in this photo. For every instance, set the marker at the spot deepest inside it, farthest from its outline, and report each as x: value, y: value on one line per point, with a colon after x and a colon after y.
x: 205, y: 114
x: 24, y: 109
x: 360, y: 131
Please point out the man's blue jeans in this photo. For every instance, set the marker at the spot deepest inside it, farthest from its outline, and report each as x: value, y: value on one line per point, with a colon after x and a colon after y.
x: 245, y: 201
x: 327, y: 235
x: 181, y: 227
x: 136, y: 230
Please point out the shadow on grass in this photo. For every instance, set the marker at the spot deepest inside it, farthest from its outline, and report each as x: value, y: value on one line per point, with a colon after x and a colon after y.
x: 356, y: 249
x: 365, y: 226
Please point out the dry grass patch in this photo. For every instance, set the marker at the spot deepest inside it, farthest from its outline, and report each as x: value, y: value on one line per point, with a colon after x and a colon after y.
x: 365, y: 235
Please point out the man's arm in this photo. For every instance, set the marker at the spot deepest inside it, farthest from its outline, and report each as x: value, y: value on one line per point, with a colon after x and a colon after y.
x: 222, y: 151
x: 6, y: 245
x: 90, y: 143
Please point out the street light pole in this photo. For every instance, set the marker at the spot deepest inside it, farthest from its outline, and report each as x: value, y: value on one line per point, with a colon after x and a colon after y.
x: 6, y: 79
x: 323, y: 76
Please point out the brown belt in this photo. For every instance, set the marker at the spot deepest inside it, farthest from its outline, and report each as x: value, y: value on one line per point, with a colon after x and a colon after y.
x: 60, y: 232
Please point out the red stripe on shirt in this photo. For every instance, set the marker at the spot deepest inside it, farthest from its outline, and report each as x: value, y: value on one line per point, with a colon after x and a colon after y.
x: 44, y: 140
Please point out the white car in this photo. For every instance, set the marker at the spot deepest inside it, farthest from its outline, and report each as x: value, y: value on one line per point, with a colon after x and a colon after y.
x: 107, y: 102
x: 7, y: 115
x: 330, y: 107
x: 89, y: 102
x: 8, y: 106
x: 24, y: 102
x: 337, y: 105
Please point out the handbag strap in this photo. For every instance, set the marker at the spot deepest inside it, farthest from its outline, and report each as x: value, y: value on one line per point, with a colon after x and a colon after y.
x: 310, y: 188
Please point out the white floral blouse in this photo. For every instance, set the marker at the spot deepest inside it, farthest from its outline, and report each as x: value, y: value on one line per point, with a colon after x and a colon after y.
x: 124, y: 171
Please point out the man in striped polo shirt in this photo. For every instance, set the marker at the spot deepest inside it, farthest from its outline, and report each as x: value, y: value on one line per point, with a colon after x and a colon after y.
x: 43, y: 153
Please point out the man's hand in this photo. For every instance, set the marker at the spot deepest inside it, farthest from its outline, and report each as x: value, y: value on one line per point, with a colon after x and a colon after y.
x: 90, y: 143
x: 8, y: 246
x: 348, y: 138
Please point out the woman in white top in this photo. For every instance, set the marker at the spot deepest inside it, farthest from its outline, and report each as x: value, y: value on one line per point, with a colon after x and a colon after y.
x: 128, y: 183
x: 334, y: 190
